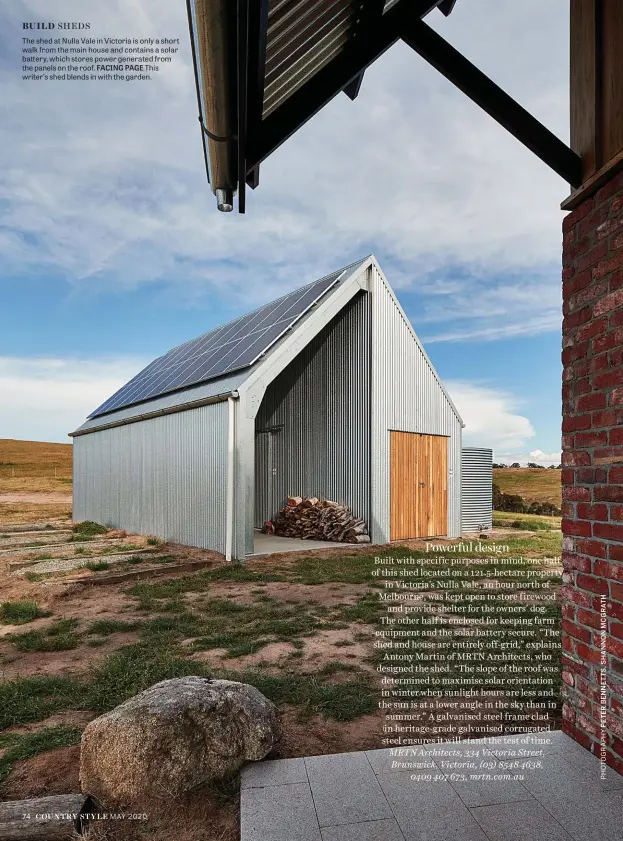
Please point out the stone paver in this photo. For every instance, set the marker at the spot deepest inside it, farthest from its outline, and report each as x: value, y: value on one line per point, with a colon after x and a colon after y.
x: 518, y: 822
x: 429, y: 811
x: 278, y: 813
x: 369, y: 831
x: 371, y: 796
x: 345, y: 789
x: 274, y: 772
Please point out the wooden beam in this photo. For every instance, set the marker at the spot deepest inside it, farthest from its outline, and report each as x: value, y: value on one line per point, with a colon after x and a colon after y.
x: 586, y: 85
x: 612, y: 78
x: 592, y: 184
x: 492, y: 99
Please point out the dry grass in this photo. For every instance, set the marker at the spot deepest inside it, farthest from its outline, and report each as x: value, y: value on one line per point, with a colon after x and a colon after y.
x: 34, y: 466
x: 532, y: 483
x: 26, y: 512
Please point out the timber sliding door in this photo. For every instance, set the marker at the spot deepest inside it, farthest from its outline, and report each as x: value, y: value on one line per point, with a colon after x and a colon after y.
x: 418, y: 485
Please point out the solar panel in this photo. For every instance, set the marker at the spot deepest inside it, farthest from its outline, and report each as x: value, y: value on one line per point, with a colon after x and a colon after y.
x: 228, y: 348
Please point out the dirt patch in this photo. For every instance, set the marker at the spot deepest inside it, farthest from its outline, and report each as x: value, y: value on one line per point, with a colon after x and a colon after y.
x: 37, y: 498
x: 272, y: 654
x: 315, y: 736
x: 53, y: 772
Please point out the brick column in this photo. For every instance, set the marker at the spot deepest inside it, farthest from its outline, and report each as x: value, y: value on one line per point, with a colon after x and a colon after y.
x: 592, y: 474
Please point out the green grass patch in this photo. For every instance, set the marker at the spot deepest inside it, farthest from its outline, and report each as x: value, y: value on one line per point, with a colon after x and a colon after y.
x: 105, y: 627
x: 163, y: 559
x: 97, y: 566
x: 60, y: 636
x: 31, y: 744
x: 134, y: 668
x: 529, y: 522
x: 312, y: 695
x: 20, y: 612
x: 89, y: 528
x: 34, y: 698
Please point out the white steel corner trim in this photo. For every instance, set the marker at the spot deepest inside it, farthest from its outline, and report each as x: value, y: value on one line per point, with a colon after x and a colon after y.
x: 411, y: 329
x: 231, y: 451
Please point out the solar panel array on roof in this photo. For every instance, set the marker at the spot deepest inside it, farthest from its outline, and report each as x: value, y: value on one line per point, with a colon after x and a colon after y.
x: 228, y: 348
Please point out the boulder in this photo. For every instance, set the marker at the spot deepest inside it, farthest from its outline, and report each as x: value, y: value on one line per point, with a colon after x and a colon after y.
x: 174, y: 736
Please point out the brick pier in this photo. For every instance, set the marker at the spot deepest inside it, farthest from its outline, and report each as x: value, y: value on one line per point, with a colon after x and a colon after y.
x: 592, y: 474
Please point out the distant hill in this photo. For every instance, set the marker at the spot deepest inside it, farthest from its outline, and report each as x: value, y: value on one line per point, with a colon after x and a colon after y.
x: 34, y: 466
x: 532, y: 483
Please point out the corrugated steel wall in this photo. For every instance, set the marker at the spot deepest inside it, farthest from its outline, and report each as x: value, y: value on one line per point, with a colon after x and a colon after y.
x: 408, y: 397
x: 476, y: 488
x: 166, y: 476
x: 319, y: 411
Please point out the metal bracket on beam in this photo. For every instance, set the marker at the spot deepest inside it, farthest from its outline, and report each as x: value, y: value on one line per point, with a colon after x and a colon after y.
x: 253, y: 177
x: 446, y: 7
x: 352, y: 89
x: 492, y: 99
x: 370, y: 14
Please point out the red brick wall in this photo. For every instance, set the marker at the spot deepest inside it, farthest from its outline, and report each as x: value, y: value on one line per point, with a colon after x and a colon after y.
x: 592, y: 474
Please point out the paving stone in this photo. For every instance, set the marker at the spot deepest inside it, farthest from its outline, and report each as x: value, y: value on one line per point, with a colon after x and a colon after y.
x: 588, y: 816
x: 273, y: 772
x: 487, y: 791
x: 370, y: 831
x: 429, y: 811
x: 572, y: 776
x: 416, y: 760
x: 519, y: 745
x: 345, y: 789
x: 527, y: 821
x: 278, y: 813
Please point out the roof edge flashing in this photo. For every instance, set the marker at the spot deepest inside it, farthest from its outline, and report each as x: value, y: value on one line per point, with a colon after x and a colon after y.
x: 170, y: 410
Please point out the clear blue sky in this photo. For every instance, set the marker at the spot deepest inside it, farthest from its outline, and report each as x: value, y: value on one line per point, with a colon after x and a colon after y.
x: 112, y: 251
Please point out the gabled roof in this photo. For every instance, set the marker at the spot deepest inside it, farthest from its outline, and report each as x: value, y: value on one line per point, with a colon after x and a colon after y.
x: 236, y: 355
x: 218, y: 362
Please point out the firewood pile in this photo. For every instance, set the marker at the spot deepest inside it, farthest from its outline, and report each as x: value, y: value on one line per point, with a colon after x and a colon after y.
x: 310, y: 518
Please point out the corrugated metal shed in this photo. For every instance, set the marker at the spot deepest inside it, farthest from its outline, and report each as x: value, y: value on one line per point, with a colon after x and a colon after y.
x: 313, y: 427
x: 166, y: 476
x: 408, y: 396
x: 476, y: 488
x: 314, y: 416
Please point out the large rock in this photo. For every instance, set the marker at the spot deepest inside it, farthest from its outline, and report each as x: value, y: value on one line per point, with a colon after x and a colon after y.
x: 174, y: 736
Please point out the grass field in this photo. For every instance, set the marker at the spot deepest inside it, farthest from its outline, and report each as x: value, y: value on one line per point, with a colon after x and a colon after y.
x: 299, y: 626
x: 34, y: 466
x: 532, y: 483
x: 529, y: 522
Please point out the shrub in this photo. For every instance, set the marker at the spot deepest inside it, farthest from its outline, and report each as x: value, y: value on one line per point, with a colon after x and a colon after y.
x: 517, y: 505
x: 89, y: 528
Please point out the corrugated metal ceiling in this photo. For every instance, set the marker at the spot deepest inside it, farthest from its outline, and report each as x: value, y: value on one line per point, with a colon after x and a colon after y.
x: 303, y: 36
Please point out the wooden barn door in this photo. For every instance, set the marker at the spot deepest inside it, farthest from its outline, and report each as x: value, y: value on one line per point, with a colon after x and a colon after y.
x: 418, y: 485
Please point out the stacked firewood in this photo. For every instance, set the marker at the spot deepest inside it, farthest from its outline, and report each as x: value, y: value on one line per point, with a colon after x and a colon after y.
x: 311, y: 518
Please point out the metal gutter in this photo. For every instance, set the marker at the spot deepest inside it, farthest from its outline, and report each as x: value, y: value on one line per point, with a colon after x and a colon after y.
x: 170, y: 410
x: 212, y: 27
